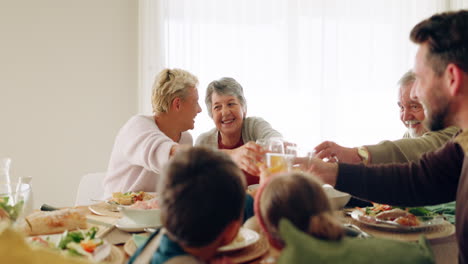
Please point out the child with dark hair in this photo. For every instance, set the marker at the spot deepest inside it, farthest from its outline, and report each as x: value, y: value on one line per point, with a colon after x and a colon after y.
x: 202, y: 196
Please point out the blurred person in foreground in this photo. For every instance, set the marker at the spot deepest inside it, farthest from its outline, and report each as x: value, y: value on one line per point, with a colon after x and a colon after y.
x: 416, y: 141
x: 145, y: 143
x: 235, y: 133
x: 441, y: 69
x: 197, y: 218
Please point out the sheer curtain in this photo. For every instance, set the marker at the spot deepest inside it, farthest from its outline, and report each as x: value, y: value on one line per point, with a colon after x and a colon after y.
x: 315, y: 69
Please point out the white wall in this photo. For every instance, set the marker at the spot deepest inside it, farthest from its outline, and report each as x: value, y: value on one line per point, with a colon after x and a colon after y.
x: 68, y: 81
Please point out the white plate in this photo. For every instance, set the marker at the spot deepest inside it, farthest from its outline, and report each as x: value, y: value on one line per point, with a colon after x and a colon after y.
x: 357, y: 215
x: 100, y: 254
x: 128, y: 225
x: 105, y: 209
x: 248, y: 238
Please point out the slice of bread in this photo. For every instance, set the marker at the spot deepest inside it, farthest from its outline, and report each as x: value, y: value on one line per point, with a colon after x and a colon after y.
x: 42, y: 223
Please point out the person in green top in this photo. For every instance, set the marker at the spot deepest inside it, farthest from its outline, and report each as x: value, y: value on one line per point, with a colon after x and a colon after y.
x: 416, y: 141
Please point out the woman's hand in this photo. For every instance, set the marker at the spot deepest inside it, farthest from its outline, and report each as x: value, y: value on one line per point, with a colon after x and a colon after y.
x: 247, y: 157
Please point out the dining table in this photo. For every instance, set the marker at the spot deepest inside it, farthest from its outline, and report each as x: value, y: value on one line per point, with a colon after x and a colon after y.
x: 441, y: 238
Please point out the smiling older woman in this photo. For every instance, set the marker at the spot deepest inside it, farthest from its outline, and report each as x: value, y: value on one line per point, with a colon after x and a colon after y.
x: 235, y: 133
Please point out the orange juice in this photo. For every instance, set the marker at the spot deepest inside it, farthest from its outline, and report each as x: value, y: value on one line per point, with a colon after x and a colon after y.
x: 276, y: 163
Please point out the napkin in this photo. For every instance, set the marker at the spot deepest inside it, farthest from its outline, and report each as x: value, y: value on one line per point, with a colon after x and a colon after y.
x: 303, y: 248
x: 15, y: 249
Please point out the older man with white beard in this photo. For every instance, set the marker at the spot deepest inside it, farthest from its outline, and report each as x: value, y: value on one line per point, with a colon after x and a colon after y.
x: 441, y: 69
x: 411, y: 111
x: 416, y: 141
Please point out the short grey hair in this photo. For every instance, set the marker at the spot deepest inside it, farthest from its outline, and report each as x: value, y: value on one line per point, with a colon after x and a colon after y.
x: 407, y: 78
x: 225, y: 86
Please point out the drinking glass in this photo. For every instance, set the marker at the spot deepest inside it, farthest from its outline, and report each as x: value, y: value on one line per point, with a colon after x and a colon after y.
x: 301, y: 157
x: 5, y: 170
x: 277, y: 162
x: 15, y: 200
x: 270, y: 145
x: 275, y: 145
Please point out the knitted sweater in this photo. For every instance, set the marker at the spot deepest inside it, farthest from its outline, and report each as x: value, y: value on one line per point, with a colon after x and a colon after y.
x: 253, y: 128
x: 140, y: 152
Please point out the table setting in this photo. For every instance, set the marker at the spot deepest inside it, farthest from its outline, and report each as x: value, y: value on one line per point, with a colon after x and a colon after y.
x: 253, y: 247
x: 110, y: 231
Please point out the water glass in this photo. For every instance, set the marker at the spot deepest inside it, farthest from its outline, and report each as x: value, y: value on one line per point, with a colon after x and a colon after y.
x: 302, y: 157
x: 276, y: 145
x: 5, y: 170
x: 15, y: 201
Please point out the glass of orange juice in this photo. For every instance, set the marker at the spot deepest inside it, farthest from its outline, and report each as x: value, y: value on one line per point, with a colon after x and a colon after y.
x: 271, y: 145
x: 277, y: 162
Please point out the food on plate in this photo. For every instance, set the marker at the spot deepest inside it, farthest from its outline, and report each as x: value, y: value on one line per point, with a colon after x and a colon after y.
x: 149, y: 204
x: 239, y: 238
x: 400, y: 215
x: 129, y: 198
x: 8, y: 211
x: 392, y: 214
x: 15, y: 249
x: 41, y: 223
x: 409, y: 220
x: 76, y: 243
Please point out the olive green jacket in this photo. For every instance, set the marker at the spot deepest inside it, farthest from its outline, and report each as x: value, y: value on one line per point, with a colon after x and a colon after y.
x: 409, y: 149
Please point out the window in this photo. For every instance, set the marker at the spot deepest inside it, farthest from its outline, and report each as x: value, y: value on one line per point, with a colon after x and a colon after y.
x: 315, y: 69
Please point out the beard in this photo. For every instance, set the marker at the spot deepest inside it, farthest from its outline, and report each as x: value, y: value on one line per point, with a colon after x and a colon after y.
x: 436, y: 119
x: 413, y: 133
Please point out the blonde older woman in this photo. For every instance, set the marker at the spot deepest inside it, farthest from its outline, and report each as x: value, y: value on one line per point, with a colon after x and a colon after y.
x: 235, y: 133
x: 145, y: 143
